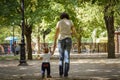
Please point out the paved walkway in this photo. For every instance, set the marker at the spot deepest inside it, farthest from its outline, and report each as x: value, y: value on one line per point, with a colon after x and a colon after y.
x: 80, y: 69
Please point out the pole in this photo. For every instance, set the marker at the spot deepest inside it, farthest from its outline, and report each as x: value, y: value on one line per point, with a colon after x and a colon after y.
x: 22, y: 45
x: 13, y: 44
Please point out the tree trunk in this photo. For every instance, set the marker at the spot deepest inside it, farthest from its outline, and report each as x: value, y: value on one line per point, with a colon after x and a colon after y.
x: 79, y: 45
x: 29, y: 47
x: 38, y: 38
x: 28, y: 32
x: 109, y: 21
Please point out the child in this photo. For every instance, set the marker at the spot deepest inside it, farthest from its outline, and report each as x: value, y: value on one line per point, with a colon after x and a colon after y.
x: 8, y: 49
x: 46, y: 62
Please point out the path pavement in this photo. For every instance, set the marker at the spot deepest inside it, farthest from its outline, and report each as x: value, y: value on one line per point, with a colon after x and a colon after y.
x: 80, y: 69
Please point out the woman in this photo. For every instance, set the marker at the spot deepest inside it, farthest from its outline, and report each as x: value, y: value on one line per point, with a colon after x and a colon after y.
x: 64, y: 31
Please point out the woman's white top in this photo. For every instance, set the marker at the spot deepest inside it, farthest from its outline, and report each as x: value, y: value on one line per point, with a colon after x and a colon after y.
x: 64, y: 26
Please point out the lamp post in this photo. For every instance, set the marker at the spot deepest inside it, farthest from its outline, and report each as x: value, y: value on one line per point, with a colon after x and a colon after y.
x: 22, y: 45
x: 13, y: 41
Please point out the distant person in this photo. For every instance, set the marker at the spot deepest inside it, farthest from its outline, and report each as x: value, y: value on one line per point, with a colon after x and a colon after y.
x: 2, y: 49
x: 64, y: 31
x: 8, y: 49
x: 17, y: 49
x: 46, y: 62
x: 13, y: 49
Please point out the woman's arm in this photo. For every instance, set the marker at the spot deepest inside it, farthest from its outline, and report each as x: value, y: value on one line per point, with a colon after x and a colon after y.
x: 55, y: 39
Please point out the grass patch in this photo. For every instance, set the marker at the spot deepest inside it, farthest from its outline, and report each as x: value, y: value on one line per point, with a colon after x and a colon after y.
x: 17, y: 57
x: 9, y: 57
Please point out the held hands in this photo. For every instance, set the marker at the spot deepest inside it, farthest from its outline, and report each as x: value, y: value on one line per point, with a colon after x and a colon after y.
x: 51, y: 51
x: 54, y: 46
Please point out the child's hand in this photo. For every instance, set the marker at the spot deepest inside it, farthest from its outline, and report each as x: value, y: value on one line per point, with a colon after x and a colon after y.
x: 50, y: 50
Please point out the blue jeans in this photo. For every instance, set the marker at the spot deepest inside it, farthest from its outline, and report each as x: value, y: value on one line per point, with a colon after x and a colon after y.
x: 64, y: 47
